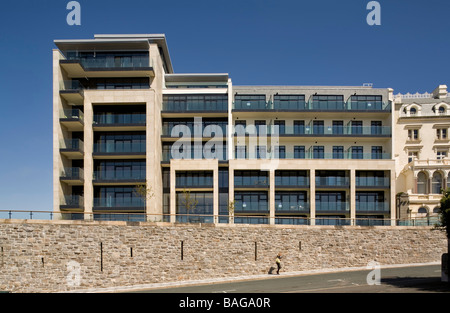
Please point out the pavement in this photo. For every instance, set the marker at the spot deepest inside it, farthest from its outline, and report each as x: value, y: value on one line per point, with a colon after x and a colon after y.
x: 404, y: 278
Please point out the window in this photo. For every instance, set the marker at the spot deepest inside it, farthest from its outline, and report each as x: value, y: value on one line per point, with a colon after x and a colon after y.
x: 357, y: 127
x: 289, y: 201
x: 261, y: 127
x: 422, y: 211
x: 299, y: 152
x: 441, y: 110
x: 413, y: 134
x: 289, y: 102
x: 239, y: 127
x: 248, y: 102
x: 436, y: 183
x: 281, y: 127
x: 364, y: 102
x: 357, y: 152
x: 318, y: 152
x: 318, y: 127
x: 338, y: 127
x: 299, y: 127
x: 440, y: 155
x: 280, y: 152
x: 291, y: 178
x: 375, y: 128
x: 328, y: 102
x: 412, y: 155
x: 255, y: 201
x: 412, y: 111
x: 251, y: 178
x: 330, y: 201
x: 338, y: 152
x: 441, y: 133
x: 261, y: 152
x: 422, y: 183
x: 377, y: 152
x: 240, y: 152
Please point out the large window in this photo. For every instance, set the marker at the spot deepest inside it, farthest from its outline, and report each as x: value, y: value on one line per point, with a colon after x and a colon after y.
x: 251, y: 201
x: 200, y: 205
x: 288, y: 178
x: 328, y: 102
x: 328, y: 201
x: 120, y: 170
x: 119, y: 142
x: 195, y: 102
x: 250, y: 102
x: 289, y: 102
x: 422, y: 183
x: 187, y: 179
x: 366, y: 102
x: 118, y: 197
x: 372, y: 201
x: 291, y: 201
x: 436, y: 183
x: 251, y: 179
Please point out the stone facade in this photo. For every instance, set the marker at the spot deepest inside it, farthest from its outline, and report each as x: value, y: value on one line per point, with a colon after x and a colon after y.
x: 39, y: 256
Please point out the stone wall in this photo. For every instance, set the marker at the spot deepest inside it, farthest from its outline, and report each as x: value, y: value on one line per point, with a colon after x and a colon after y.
x: 48, y: 256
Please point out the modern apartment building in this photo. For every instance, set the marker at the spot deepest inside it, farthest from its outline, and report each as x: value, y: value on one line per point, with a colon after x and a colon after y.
x: 212, y: 152
x: 422, y: 123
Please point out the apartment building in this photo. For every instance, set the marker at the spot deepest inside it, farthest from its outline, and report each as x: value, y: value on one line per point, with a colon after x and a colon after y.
x: 422, y: 123
x: 209, y: 151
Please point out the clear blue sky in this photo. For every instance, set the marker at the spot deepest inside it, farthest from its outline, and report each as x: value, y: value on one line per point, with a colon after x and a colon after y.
x: 261, y: 42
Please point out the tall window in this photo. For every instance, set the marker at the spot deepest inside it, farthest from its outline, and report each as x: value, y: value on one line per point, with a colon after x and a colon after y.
x: 338, y: 127
x: 338, y: 152
x: 357, y: 127
x: 436, y: 183
x: 357, y: 152
x: 422, y: 183
x: 299, y: 127
x: 281, y: 127
x: 377, y: 152
x: 318, y: 152
x: 413, y: 134
x: 318, y: 127
x: 299, y: 152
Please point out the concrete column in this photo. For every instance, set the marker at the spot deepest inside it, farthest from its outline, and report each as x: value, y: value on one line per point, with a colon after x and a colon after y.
x: 272, y: 197
x: 173, y: 207
x: 352, y: 196
x: 88, y: 160
x: 216, y: 195
x: 231, y: 190
x: 312, y: 196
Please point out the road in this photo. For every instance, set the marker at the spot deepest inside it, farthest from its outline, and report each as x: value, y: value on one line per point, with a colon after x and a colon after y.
x: 392, y: 280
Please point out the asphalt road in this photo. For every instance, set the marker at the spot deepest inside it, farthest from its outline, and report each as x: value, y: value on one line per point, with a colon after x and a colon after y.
x: 421, y: 279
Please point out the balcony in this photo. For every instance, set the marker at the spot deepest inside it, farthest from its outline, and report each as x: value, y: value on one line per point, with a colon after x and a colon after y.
x: 72, y: 202
x: 312, y: 106
x: 123, y: 203
x: 81, y: 65
x: 72, y: 119
x: 72, y: 91
x: 72, y: 148
x: 202, y: 130
x: 317, y: 131
x: 119, y: 122
x: 120, y: 149
x: 332, y: 182
x: 372, y: 182
x: 72, y: 175
x: 119, y: 177
x: 332, y: 207
x: 291, y: 207
x: 372, y: 207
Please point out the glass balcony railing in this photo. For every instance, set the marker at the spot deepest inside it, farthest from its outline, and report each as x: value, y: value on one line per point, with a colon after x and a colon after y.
x: 72, y: 173
x: 317, y: 130
x: 217, y: 130
x: 120, y: 147
x: 331, y: 206
x: 73, y: 114
x: 119, y: 175
x: 72, y: 145
x: 372, y: 206
x: 372, y: 181
x: 101, y: 60
x: 346, y: 155
x: 292, y: 207
x: 129, y: 202
x: 195, y: 106
x: 73, y: 201
x: 251, y: 206
x: 331, y: 181
x: 120, y: 119
x: 71, y: 85
x: 312, y: 106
